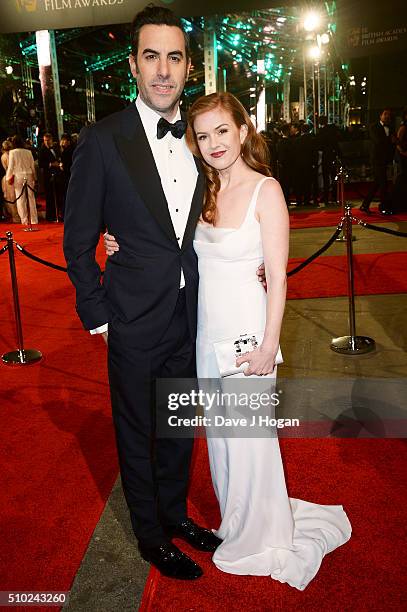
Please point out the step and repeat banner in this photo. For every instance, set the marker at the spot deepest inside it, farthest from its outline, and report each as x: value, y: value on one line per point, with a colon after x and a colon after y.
x: 371, y: 28
x: 29, y: 15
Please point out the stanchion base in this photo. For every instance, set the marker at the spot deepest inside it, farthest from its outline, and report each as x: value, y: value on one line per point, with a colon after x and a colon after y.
x: 353, y: 345
x: 31, y: 229
x: 23, y: 357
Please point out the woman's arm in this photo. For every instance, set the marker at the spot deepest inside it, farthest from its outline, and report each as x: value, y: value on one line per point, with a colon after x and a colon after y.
x: 272, y: 213
x: 10, y: 166
x: 274, y: 226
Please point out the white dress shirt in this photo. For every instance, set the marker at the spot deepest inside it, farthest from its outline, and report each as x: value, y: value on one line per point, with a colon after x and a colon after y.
x: 386, y: 129
x: 178, y: 173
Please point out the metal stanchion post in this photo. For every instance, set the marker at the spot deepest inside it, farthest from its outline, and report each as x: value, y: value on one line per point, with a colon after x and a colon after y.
x: 352, y: 344
x: 340, y: 181
x: 21, y: 356
x: 30, y: 227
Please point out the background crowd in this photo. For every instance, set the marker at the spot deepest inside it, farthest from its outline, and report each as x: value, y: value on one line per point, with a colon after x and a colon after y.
x: 305, y: 163
x: 45, y: 169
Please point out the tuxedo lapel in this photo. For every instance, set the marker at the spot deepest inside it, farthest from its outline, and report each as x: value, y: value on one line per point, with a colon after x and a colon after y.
x: 196, y: 206
x: 137, y: 156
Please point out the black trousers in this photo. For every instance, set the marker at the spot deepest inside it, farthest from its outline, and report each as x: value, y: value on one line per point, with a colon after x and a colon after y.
x: 51, y: 198
x: 154, y: 471
x: 284, y: 180
x: 328, y: 177
x: 379, y: 183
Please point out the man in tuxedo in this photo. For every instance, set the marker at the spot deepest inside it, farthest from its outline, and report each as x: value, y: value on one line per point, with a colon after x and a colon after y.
x: 327, y: 143
x: 383, y: 142
x: 133, y: 173
x: 49, y: 163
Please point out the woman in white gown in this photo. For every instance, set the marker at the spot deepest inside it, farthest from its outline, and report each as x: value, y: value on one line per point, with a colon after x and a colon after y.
x: 244, y: 223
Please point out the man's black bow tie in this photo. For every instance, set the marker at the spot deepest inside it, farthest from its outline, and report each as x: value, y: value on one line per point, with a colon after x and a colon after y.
x: 177, y: 129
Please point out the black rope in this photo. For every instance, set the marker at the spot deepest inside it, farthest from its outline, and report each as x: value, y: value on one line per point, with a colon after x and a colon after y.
x: 22, y: 191
x: 38, y: 259
x: 4, y: 249
x: 33, y: 190
x: 16, y: 200
x: 320, y: 251
x: 376, y: 228
x: 300, y: 267
x: 297, y: 269
x: 41, y: 261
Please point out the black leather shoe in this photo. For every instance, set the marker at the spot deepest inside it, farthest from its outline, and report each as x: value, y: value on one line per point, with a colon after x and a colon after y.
x: 198, y: 537
x: 365, y: 209
x: 171, y: 561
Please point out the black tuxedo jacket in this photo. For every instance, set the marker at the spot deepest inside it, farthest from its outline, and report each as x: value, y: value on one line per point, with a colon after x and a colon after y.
x: 115, y: 184
x: 45, y: 157
x: 382, y: 149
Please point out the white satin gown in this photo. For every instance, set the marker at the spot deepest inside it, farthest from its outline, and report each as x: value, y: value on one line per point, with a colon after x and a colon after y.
x: 264, y: 532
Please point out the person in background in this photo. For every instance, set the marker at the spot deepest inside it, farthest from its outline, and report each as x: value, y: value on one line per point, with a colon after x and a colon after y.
x: 48, y: 161
x: 21, y: 169
x: 328, y: 144
x: 307, y: 166
x: 30, y: 146
x: 398, y: 202
x: 297, y: 179
x: 402, y: 143
x: 383, y: 143
x: 9, y: 194
x: 284, y: 154
x: 67, y: 150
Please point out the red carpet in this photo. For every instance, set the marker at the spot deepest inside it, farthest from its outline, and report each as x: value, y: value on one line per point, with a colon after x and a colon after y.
x: 366, y: 476
x: 57, y: 453
x: 331, y: 217
x: 59, y: 461
x: 375, y: 273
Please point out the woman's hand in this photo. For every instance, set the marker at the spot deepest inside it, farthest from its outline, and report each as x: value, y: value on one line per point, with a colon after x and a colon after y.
x: 261, y: 361
x: 110, y: 244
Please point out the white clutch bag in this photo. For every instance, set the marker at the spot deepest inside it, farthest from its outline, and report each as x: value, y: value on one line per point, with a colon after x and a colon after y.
x: 227, y: 351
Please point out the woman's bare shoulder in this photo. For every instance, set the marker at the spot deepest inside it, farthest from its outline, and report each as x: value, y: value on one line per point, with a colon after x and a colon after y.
x: 271, y: 198
x: 271, y: 187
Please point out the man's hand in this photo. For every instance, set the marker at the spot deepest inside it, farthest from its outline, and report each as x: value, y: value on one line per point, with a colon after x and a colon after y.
x: 104, y: 335
x: 261, y: 275
x: 110, y: 243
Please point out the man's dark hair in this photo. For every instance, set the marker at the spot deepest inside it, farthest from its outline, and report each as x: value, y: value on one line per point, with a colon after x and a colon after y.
x: 285, y: 129
x: 155, y: 15
x: 18, y: 142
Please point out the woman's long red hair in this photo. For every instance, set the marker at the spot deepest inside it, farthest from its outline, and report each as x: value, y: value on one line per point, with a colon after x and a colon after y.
x: 254, y: 148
